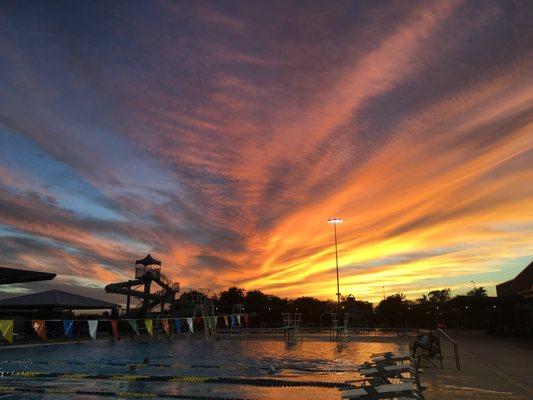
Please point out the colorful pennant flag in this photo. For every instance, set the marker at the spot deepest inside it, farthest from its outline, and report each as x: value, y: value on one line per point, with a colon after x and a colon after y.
x: 40, y: 327
x: 166, y: 326
x: 68, y: 327
x: 177, y: 322
x: 6, y: 329
x: 134, y: 327
x: 189, y: 322
x: 149, y: 326
x: 114, y: 326
x: 93, y: 327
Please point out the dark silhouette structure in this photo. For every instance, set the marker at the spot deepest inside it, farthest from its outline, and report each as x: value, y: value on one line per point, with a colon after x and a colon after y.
x: 55, y: 300
x: 523, y: 282
x: 147, y: 275
x: 12, y: 275
x: 515, y: 305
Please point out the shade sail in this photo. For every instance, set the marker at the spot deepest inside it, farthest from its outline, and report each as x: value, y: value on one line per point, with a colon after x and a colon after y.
x: 55, y: 299
x: 12, y: 275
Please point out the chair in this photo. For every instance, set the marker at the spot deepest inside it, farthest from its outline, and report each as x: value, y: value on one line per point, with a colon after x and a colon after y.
x: 391, y: 358
x: 383, y: 374
x: 429, y: 358
x: 291, y: 326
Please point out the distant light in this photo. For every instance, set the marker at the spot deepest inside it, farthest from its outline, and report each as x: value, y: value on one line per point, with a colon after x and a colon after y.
x: 334, y: 221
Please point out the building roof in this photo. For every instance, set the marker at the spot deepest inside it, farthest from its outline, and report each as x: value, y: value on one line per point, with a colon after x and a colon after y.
x: 522, y: 282
x: 148, y: 260
x: 55, y: 299
x: 12, y: 275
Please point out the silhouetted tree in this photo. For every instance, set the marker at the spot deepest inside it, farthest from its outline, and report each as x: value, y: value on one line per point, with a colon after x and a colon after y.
x: 312, y: 309
x: 439, y: 296
x: 393, y: 310
x: 478, y: 292
x: 229, y: 297
x: 422, y: 300
x: 361, y: 312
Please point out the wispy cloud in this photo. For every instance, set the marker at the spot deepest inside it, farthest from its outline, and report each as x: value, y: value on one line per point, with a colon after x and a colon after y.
x: 221, y: 136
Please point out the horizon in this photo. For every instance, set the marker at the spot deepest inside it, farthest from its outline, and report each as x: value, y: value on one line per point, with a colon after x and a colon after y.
x: 221, y: 136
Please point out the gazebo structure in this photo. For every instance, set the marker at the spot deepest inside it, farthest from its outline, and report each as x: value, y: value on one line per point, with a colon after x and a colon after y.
x: 147, y: 272
x: 51, y: 300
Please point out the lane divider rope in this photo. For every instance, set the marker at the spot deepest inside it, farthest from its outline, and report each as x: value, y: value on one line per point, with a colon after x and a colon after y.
x: 118, y: 394
x: 176, y: 365
x: 263, y: 382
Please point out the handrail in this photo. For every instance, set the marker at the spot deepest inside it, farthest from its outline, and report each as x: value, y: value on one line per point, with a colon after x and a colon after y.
x: 455, y: 348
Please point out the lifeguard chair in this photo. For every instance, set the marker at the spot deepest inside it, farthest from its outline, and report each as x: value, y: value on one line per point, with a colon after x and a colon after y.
x: 339, y: 331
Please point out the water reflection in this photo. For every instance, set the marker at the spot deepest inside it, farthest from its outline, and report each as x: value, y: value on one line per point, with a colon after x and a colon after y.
x: 302, y: 361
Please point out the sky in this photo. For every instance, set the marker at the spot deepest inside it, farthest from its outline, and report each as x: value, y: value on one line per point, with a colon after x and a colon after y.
x: 221, y: 136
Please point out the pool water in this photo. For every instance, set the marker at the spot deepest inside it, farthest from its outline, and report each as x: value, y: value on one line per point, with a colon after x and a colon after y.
x: 310, y: 360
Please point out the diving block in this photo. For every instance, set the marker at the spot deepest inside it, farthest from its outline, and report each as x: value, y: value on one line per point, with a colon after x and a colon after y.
x: 391, y: 358
x: 387, y: 371
x: 404, y: 390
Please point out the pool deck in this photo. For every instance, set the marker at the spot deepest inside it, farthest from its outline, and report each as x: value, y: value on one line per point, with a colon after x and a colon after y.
x: 492, y: 368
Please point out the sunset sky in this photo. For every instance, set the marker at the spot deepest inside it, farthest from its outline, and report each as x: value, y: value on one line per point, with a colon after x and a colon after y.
x: 221, y: 136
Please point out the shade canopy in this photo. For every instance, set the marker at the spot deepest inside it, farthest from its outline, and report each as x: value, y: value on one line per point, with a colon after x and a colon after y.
x: 12, y: 275
x: 148, y: 260
x: 55, y: 299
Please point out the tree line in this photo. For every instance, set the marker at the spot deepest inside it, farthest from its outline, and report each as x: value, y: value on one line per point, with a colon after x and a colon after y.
x: 393, y: 311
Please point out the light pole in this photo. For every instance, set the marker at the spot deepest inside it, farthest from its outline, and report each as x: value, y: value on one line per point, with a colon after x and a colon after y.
x: 474, y: 283
x: 334, y: 222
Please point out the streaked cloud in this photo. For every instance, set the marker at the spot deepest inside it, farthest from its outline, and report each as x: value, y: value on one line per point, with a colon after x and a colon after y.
x: 221, y: 137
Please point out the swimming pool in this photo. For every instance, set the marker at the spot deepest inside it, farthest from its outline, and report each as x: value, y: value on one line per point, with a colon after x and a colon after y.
x: 195, y: 361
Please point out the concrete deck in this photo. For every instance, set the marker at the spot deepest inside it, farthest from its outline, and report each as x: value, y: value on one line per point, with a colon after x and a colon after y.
x: 492, y: 368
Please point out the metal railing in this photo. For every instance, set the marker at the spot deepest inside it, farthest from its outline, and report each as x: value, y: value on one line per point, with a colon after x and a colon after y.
x: 455, y: 348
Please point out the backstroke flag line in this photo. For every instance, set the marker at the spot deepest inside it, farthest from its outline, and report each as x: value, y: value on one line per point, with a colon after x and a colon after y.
x: 40, y: 327
x: 6, y: 329
x: 93, y: 327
